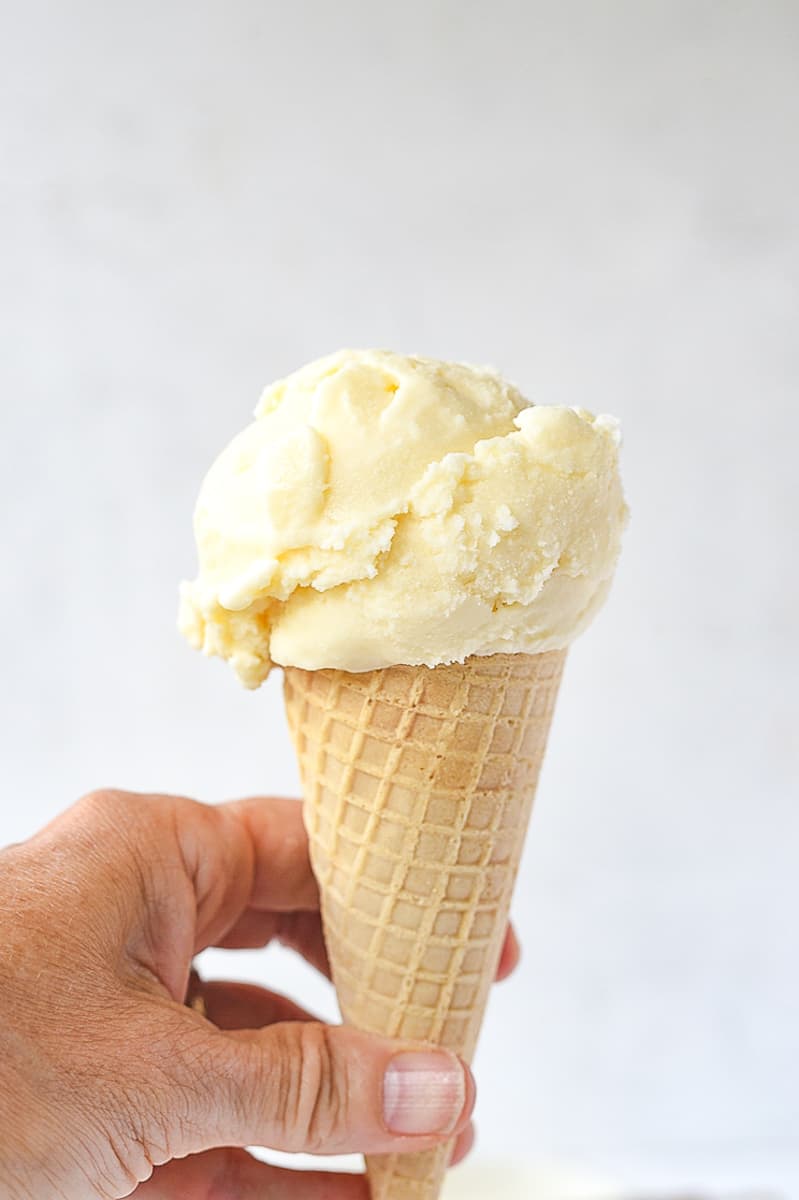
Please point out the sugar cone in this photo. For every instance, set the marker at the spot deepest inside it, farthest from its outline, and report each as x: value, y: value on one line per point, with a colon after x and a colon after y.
x: 418, y: 788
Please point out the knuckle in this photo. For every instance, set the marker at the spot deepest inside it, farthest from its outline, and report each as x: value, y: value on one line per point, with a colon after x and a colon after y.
x: 99, y: 800
x: 121, y: 820
x: 104, y: 804
x: 312, y: 1089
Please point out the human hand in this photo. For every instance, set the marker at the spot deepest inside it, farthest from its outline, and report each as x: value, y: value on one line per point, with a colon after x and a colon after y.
x: 108, y: 1079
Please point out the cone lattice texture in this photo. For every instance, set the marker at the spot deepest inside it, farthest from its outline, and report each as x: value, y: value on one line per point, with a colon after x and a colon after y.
x: 418, y: 788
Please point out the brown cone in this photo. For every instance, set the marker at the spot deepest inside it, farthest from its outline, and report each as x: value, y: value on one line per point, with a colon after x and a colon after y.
x: 418, y: 788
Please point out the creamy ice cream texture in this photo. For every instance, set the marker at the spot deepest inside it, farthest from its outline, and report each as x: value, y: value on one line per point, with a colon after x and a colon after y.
x: 384, y: 509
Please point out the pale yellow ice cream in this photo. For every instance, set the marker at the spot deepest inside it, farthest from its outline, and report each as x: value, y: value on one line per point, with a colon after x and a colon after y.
x: 383, y: 509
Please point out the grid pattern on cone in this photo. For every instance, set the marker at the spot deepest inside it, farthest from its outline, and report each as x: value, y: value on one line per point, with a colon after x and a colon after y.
x: 418, y: 786
x: 408, y: 1176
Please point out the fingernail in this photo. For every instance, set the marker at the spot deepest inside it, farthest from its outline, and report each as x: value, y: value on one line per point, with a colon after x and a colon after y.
x: 424, y: 1092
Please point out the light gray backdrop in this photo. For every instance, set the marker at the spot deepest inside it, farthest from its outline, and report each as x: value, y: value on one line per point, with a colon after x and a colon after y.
x: 601, y: 200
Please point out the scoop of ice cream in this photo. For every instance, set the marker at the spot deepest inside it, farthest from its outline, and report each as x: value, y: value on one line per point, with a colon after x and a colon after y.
x: 383, y: 509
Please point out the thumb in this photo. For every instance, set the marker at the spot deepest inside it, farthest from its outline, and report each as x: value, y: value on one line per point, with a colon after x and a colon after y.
x: 304, y: 1086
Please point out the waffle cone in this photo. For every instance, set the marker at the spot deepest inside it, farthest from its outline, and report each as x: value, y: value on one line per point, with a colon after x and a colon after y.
x: 418, y: 788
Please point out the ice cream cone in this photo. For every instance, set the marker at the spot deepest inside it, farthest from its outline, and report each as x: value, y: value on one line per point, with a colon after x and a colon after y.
x: 418, y: 787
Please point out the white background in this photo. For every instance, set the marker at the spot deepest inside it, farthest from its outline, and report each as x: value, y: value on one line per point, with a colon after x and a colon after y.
x: 601, y: 200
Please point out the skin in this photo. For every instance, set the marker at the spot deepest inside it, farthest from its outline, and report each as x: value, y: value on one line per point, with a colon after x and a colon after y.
x: 110, y: 1084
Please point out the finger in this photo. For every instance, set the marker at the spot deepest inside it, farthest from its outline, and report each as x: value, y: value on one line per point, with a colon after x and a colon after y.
x: 247, y: 853
x: 180, y: 872
x: 511, y: 953
x: 195, y: 869
x: 245, y: 1006
x: 283, y: 880
x: 463, y: 1145
x: 304, y: 1086
x: 301, y: 931
x: 235, y: 1173
x: 252, y: 930
x: 337, y: 1089
x: 255, y: 850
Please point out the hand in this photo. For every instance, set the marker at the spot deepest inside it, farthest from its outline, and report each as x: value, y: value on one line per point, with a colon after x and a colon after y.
x: 106, y: 1075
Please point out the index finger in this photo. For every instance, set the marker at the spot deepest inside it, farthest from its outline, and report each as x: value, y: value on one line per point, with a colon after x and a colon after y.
x: 282, y: 877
